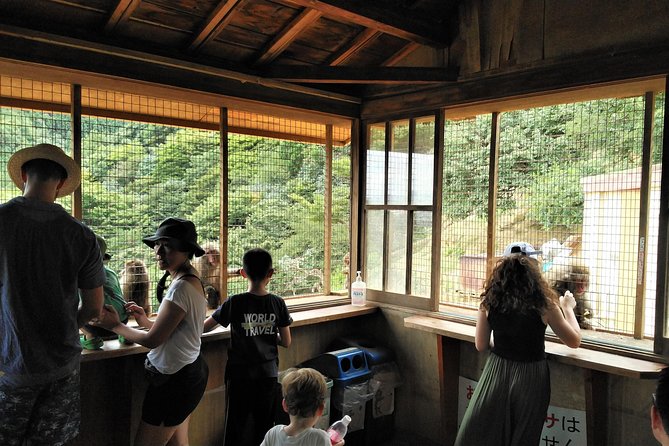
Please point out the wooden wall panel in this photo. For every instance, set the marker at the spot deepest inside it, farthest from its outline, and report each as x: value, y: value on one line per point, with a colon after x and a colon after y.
x: 576, y: 27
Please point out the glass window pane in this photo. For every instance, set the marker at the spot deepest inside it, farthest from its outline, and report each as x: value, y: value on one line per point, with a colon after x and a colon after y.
x: 398, y: 164
x: 422, y: 162
x: 373, y: 275
x: 464, y: 210
x: 376, y: 165
x: 397, y: 251
x: 421, y: 256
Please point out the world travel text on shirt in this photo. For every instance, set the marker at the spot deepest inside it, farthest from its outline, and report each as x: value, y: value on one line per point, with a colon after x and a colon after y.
x: 256, y: 324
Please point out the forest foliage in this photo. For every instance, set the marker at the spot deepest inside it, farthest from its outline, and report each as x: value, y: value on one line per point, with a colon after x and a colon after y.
x: 136, y: 174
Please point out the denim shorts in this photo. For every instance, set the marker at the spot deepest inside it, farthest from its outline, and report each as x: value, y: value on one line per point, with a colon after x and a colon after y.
x: 45, y: 414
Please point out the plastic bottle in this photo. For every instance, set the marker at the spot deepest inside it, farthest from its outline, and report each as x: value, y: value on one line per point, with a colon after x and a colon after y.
x: 358, y: 291
x: 338, y: 429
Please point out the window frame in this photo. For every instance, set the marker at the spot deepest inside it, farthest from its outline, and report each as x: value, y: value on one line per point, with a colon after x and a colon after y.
x: 74, y: 108
x: 383, y: 296
x: 628, y: 87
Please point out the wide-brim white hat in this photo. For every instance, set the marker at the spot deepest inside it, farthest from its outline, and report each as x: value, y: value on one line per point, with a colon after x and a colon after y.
x: 48, y: 152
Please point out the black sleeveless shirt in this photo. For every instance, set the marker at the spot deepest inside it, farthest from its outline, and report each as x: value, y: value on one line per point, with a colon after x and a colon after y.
x: 517, y: 336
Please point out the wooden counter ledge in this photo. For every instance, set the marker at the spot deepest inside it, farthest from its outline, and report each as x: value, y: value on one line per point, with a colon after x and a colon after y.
x: 581, y: 357
x: 114, y: 349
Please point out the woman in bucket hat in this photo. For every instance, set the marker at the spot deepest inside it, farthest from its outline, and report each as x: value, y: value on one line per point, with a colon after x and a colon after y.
x: 176, y: 372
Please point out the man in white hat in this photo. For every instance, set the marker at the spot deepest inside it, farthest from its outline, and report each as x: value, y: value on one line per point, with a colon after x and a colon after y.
x: 47, y: 259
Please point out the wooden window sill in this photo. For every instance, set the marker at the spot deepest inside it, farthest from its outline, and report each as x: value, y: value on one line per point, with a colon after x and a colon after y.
x: 581, y: 357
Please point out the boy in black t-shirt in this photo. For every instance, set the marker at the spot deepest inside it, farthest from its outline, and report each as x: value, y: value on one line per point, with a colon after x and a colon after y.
x: 259, y: 321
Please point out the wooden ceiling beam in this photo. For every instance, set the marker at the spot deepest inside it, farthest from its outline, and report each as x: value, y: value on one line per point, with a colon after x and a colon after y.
x: 359, y: 75
x: 216, y: 21
x: 74, y: 54
x: 401, y: 54
x: 572, y: 73
x: 121, y: 13
x: 305, y: 19
x: 354, y: 46
x: 399, y: 22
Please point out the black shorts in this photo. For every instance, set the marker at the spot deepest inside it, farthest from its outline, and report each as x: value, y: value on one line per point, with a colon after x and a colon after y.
x: 170, y: 403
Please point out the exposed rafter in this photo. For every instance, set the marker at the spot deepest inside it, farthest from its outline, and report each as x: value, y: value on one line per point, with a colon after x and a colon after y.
x: 287, y: 36
x: 401, y: 54
x: 354, y: 46
x: 359, y: 75
x: 121, y: 13
x: 217, y: 20
x: 395, y: 21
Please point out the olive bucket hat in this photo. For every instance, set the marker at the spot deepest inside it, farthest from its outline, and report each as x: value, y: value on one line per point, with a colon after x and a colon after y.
x: 179, y: 230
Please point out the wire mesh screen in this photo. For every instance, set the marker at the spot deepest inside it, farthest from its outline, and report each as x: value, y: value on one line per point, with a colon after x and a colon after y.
x: 21, y: 128
x: 398, y: 163
x: 374, y: 224
x: 422, y: 184
x: 569, y: 180
x: 421, y: 254
x: 276, y: 190
x: 375, y: 169
x: 137, y: 174
x: 340, y: 260
x: 399, y: 236
x: 464, y: 210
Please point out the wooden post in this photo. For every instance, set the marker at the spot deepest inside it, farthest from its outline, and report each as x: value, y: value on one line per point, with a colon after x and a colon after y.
x: 327, y: 243
x: 356, y: 227
x: 448, y: 359
x: 660, y: 345
x: 493, y: 177
x: 409, y: 220
x: 384, y: 261
x: 596, y: 406
x: 644, y: 204
x: 75, y: 114
x: 437, y: 192
x: 223, y: 219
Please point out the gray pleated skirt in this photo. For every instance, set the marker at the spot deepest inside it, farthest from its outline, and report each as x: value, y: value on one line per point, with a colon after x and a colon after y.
x: 509, y: 404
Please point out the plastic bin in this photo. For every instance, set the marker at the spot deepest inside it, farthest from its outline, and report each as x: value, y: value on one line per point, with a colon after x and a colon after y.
x: 384, y: 379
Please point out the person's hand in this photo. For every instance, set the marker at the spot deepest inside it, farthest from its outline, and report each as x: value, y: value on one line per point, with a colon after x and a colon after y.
x: 568, y: 301
x: 108, y: 319
x: 341, y: 443
x: 134, y: 310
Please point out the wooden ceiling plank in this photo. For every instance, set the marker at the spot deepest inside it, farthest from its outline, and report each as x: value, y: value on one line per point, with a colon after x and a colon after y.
x: 216, y: 21
x: 287, y: 36
x: 358, y: 75
x: 358, y: 42
x: 399, y: 22
x: 401, y: 54
x: 121, y: 13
